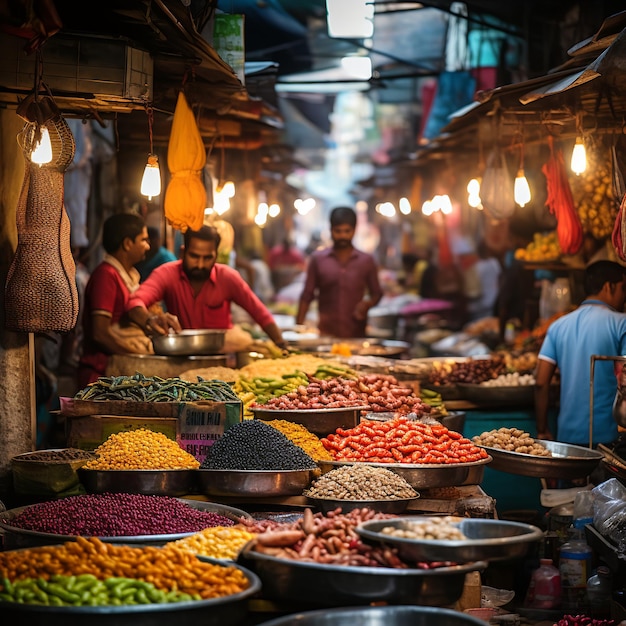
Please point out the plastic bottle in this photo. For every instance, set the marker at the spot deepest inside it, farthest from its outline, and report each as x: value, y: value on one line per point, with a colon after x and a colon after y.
x: 544, y: 590
x: 575, y: 568
x: 599, y: 593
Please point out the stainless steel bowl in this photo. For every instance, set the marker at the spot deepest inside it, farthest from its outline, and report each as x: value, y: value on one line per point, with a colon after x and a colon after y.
x: 255, y: 483
x: 424, y: 476
x: 317, y: 584
x: 147, y: 482
x: 15, y: 537
x: 487, y: 539
x: 325, y: 505
x: 320, y: 422
x: 567, y: 461
x: 190, y: 342
x: 377, y: 615
x: 227, y: 611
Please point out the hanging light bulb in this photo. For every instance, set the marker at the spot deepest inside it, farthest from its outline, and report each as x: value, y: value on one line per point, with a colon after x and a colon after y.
x: 521, y: 190
x: 228, y: 189
x: 151, y: 181
x: 42, y: 152
x: 473, y: 194
x: 579, y: 157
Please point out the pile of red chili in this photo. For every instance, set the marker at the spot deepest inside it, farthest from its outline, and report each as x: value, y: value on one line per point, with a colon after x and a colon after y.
x: 401, y: 440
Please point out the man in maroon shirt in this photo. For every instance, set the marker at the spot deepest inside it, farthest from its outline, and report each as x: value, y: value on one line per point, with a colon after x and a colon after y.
x: 197, y: 292
x: 340, y: 277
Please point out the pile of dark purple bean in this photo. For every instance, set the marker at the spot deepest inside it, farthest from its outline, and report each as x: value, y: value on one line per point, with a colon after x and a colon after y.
x: 116, y: 515
x: 255, y: 445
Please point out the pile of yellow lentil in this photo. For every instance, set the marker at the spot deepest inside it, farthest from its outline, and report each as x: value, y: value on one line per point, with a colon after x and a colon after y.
x: 141, y: 449
x: 218, y: 542
x: 303, y: 438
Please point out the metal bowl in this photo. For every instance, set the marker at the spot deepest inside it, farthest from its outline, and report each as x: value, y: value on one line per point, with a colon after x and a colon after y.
x: 368, y: 347
x: 15, y: 537
x: 227, y: 611
x: 487, y: 539
x: 567, y: 461
x: 147, y: 482
x: 318, y: 584
x: 325, y: 505
x: 424, y: 476
x: 190, y: 342
x: 514, y: 395
x: 377, y: 615
x: 255, y: 483
x: 320, y: 422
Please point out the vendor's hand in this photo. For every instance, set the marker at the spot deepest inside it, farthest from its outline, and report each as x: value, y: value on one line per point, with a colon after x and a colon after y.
x: 545, y: 434
x: 360, y: 310
x: 161, y: 324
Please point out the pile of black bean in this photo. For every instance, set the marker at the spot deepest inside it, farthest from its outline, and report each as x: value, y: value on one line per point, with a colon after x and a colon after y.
x: 116, y: 515
x: 255, y: 445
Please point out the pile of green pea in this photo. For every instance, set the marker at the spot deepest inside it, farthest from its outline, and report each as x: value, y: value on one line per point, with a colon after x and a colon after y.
x: 87, y: 590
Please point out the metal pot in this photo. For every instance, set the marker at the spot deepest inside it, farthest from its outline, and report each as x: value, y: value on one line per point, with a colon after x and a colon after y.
x: 190, y: 342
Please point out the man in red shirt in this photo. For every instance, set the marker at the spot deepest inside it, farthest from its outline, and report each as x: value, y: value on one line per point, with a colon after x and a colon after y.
x: 125, y: 241
x: 197, y: 292
x: 340, y: 277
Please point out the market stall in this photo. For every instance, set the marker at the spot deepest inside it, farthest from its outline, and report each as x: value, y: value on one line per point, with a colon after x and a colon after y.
x: 212, y: 448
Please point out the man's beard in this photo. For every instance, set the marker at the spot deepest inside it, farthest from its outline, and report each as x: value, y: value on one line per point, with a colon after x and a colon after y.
x: 342, y: 243
x: 196, y: 273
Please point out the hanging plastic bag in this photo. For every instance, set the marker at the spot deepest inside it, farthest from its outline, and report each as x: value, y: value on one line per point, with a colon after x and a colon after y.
x: 496, y: 189
x: 185, y: 196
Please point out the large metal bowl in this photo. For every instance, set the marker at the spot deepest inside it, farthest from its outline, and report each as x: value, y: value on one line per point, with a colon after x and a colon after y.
x: 255, y: 483
x: 425, y: 476
x: 147, y: 482
x: 377, y: 615
x: 567, y: 461
x: 227, y: 611
x: 487, y: 539
x: 320, y: 422
x: 15, y: 537
x: 395, y: 506
x: 190, y: 342
x: 318, y: 584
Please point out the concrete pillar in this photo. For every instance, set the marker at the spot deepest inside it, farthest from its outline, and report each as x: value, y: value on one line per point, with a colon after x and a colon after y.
x: 17, y: 389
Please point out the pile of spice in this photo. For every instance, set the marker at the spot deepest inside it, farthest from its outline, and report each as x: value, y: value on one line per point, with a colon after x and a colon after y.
x: 303, y: 438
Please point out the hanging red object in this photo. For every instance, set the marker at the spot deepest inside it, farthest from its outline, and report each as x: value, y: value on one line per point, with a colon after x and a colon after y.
x: 561, y: 202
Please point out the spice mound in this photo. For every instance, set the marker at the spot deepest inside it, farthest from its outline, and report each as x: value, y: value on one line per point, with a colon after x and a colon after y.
x: 62, y: 455
x: 303, y: 438
x: 435, y: 528
x: 253, y: 445
x: 116, y: 515
x: 141, y: 449
x: 365, y: 482
x: 217, y: 542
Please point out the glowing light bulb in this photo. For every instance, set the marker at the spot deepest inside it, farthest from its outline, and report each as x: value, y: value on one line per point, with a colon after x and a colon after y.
x: 42, y: 152
x: 229, y: 189
x: 404, y: 206
x: 579, y: 157
x: 151, y: 181
x: 521, y: 190
x: 473, y: 194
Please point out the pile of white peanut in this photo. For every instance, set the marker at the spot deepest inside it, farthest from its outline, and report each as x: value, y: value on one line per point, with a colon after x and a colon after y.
x: 512, y: 440
x: 433, y: 528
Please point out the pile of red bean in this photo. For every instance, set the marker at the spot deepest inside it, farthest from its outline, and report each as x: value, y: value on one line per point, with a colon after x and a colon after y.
x: 401, y: 440
x: 379, y: 392
x: 116, y: 515
x: 333, y: 539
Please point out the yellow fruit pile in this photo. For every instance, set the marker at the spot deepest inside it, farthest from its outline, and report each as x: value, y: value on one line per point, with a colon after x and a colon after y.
x: 543, y: 248
x: 593, y: 194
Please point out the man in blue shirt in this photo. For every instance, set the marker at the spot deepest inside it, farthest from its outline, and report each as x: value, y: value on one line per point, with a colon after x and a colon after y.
x: 596, y: 327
